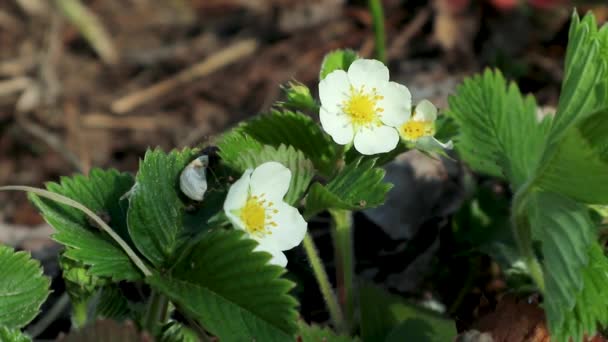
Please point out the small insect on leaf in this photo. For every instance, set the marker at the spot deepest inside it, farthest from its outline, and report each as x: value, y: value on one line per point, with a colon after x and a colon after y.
x: 193, y: 180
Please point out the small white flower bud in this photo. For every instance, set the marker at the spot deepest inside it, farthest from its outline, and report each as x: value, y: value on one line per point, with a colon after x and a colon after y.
x: 193, y: 180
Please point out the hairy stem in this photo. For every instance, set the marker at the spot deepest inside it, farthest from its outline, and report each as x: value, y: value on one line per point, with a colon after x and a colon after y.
x: 375, y: 7
x: 343, y: 244
x: 523, y: 235
x: 323, y: 281
x: 104, y: 226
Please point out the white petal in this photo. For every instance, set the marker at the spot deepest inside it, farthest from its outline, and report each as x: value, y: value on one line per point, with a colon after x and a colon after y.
x: 290, y: 229
x: 237, y: 194
x: 397, y: 104
x: 271, y: 179
x: 236, y: 221
x: 425, y: 111
x: 334, y: 90
x: 368, y: 72
x: 432, y: 145
x: 337, y: 125
x: 278, y: 258
x: 376, y: 140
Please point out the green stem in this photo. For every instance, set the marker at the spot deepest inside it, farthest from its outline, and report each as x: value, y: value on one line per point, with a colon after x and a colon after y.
x: 104, y: 226
x: 375, y: 7
x: 343, y: 244
x: 80, y: 313
x: 323, y: 281
x: 157, y: 311
x: 523, y: 234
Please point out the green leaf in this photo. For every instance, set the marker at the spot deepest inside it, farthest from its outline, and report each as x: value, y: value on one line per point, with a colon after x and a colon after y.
x: 578, y: 164
x: 590, y: 308
x: 585, y: 85
x: 386, y: 317
x: 13, y: 335
x: 231, y: 290
x: 358, y: 186
x: 500, y: 134
x: 283, y: 128
x: 23, y: 288
x: 566, y: 231
x: 101, y: 192
x: 156, y: 207
x: 337, y: 60
x: 316, y: 333
x: 575, y: 159
x: 301, y: 168
x: 112, y: 304
x: 233, y: 143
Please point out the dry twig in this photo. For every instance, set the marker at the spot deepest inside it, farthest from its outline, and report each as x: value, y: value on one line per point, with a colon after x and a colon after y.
x: 212, y: 63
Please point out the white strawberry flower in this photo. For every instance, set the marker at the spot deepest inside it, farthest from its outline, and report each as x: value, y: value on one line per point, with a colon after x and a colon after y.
x: 420, y: 129
x: 361, y: 105
x: 255, y: 204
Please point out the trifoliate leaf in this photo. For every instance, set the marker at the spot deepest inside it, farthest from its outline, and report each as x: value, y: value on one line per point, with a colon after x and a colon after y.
x: 231, y: 290
x: 566, y: 232
x: 107, y: 330
x: 301, y: 168
x: 386, y: 317
x: 358, y: 186
x: 316, y: 333
x: 590, y: 310
x: 337, y: 60
x: 101, y: 192
x: 23, y: 288
x: 156, y: 207
x: 499, y: 132
x: 283, y: 128
x: 13, y: 335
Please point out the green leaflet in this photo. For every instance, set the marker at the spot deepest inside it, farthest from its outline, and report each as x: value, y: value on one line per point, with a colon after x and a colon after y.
x: 13, y: 335
x: 101, y: 192
x: 500, y: 134
x: 566, y: 231
x: 316, y: 333
x: 157, y: 213
x: 577, y: 166
x: 232, y: 290
x: 23, y: 289
x: 585, y: 85
x: 301, y: 168
x: 386, y: 317
x: 337, y: 60
x: 590, y: 309
x: 358, y: 186
x: 112, y: 304
x: 575, y: 159
x: 282, y: 128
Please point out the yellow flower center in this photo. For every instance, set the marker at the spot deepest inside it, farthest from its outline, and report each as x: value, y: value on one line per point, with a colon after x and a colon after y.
x: 362, y: 106
x: 257, y: 215
x: 414, y: 130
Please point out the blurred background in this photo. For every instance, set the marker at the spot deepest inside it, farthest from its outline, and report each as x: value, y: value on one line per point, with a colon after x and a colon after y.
x: 95, y: 83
